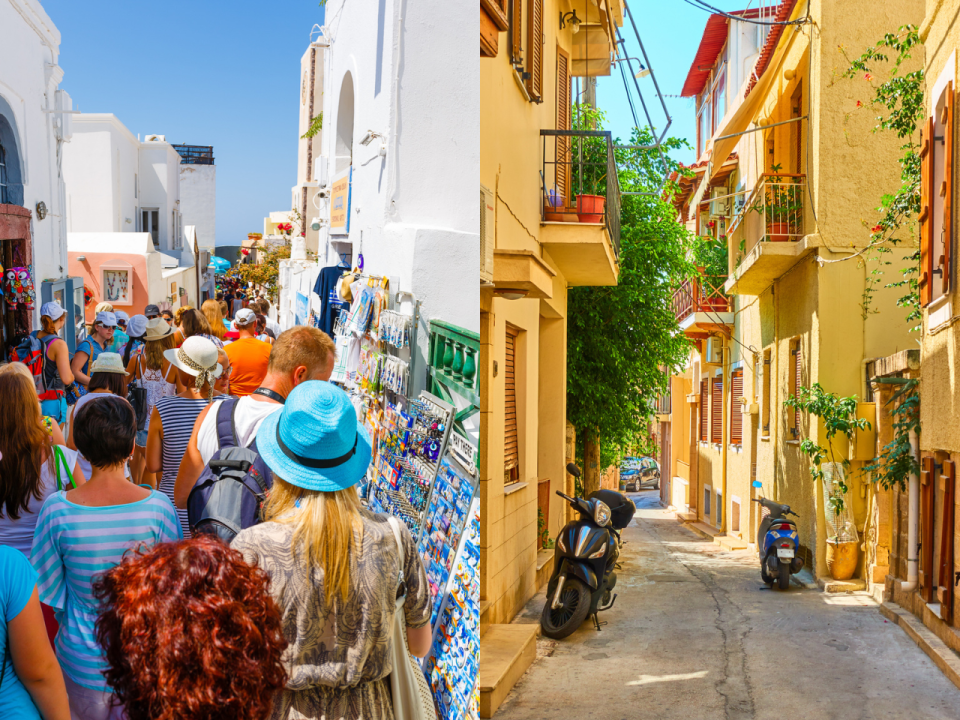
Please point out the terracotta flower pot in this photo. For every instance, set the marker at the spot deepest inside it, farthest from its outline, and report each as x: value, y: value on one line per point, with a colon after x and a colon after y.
x: 590, y: 208
x: 842, y: 558
x: 779, y: 231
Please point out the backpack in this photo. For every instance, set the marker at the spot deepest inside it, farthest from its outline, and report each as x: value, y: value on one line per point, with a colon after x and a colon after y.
x: 32, y: 352
x: 229, y: 494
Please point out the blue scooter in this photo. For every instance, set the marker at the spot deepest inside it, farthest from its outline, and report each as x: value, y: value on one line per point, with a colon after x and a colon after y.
x: 778, y: 543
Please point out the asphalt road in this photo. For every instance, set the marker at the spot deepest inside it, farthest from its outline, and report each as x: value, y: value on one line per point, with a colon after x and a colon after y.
x: 695, y: 635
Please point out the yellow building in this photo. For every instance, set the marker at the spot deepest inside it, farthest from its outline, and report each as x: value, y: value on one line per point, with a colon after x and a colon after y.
x: 782, y: 180
x: 535, y: 245
x: 922, y: 533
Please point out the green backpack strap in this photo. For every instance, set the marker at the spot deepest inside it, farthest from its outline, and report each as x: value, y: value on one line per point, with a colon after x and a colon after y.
x: 58, y: 459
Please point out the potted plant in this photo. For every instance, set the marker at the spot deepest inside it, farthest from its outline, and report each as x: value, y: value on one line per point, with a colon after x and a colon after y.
x: 839, y: 417
x: 589, y: 176
x: 780, y: 205
x: 554, y: 208
x: 709, y: 256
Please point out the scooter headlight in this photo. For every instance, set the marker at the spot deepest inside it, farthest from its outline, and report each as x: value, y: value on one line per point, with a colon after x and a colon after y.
x: 601, y: 513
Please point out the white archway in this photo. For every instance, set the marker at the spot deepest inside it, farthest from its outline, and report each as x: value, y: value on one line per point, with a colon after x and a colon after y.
x: 344, y: 147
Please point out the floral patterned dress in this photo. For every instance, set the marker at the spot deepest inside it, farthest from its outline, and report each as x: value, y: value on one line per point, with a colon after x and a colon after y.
x: 338, y: 660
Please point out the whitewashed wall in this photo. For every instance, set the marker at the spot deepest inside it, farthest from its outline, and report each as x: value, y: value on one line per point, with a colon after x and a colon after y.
x: 198, y: 202
x: 29, y: 85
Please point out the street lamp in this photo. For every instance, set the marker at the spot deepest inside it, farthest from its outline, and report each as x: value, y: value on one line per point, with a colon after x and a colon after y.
x: 572, y: 18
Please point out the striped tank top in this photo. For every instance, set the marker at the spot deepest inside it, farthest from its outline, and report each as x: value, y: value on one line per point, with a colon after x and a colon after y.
x: 177, y: 416
x: 72, y: 544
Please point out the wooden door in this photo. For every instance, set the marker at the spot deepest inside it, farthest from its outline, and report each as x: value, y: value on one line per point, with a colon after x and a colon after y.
x: 945, y: 581
x: 927, y: 520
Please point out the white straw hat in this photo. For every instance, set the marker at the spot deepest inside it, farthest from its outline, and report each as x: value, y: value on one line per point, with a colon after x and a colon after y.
x: 108, y: 362
x: 198, y: 357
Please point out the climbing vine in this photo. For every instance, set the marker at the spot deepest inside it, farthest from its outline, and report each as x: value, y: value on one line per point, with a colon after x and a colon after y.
x: 898, y: 101
x: 896, y: 461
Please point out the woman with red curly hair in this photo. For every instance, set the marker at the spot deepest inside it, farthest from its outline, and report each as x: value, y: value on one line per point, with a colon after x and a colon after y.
x: 190, y: 632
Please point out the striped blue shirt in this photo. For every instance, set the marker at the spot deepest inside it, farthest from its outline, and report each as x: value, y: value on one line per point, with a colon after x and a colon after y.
x: 72, y: 544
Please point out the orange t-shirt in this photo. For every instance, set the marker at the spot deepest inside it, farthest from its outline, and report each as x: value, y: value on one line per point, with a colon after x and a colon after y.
x: 249, y: 358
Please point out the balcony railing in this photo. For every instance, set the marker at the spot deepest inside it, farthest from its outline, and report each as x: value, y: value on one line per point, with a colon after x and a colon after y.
x: 579, y: 180
x: 701, y: 294
x: 453, y: 366
x: 774, y: 210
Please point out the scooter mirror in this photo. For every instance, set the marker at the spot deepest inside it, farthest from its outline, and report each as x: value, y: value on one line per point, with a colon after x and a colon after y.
x: 573, y: 469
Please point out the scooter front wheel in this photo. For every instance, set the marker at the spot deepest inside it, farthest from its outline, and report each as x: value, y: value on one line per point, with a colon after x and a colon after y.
x: 558, y: 623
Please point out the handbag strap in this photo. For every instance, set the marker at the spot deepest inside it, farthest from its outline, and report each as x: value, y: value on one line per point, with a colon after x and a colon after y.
x: 395, y: 526
x: 58, y: 458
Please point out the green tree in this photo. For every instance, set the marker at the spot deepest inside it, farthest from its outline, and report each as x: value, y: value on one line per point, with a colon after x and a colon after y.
x: 619, y: 338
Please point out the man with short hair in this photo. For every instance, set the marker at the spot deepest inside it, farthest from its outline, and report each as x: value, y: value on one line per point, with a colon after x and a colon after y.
x: 298, y: 355
x: 248, y: 355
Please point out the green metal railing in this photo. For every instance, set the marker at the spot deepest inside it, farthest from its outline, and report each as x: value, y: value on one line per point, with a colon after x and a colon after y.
x: 453, y: 366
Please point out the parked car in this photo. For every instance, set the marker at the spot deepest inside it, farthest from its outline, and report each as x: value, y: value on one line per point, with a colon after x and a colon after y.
x: 635, y: 472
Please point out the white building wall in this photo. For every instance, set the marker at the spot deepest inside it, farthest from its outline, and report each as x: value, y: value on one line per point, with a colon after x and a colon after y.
x: 160, y: 186
x: 198, y: 202
x: 414, y: 210
x: 29, y: 87
x: 100, y: 167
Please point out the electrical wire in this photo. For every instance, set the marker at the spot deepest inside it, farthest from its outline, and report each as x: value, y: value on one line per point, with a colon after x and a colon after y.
x: 700, y: 5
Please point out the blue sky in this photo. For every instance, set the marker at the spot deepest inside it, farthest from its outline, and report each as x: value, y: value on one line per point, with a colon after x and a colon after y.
x: 670, y: 31
x: 204, y: 73
x: 227, y: 75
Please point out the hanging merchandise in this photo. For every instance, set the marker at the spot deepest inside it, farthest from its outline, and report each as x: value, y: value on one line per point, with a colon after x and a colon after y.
x: 452, y: 666
x: 394, y: 328
x: 443, y: 525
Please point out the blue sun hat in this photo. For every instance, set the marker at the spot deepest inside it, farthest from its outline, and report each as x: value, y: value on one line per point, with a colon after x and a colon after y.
x: 316, y: 442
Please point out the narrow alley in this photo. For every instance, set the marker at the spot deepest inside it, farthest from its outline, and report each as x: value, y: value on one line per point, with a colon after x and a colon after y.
x: 695, y: 635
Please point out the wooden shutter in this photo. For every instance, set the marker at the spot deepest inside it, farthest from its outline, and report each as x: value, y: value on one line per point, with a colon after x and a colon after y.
x: 946, y: 190
x: 563, y: 123
x: 926, y: 219
x: 516, y: 31
x: 716, y: 411
x: 535, y: 51
x: 703, y: 410
x: 494, y: 19
x: 945, y: 585
x: 736, y: 416
x: 927, y: 468
x: 511, y: 446
x: 797, y: 366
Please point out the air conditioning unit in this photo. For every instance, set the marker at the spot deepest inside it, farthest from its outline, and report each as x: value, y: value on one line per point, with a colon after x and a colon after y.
x: 713, y: 351
x: 487, y: 230
x: 719, y: 208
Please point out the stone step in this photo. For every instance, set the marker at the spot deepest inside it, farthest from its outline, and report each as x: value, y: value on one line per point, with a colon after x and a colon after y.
x: 506, y: 651
x: 728, y: 542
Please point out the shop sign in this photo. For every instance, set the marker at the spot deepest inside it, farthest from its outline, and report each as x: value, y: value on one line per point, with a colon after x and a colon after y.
x: 464, y: 452
x: 340, y: 197
x: 302, y: 309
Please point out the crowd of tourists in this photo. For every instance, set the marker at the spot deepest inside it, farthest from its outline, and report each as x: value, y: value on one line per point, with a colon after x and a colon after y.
x: 133, y: 587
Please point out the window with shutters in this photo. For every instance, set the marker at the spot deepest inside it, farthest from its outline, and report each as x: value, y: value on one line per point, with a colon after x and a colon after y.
x: 563, y: 123
x: 765, y: 385
x: 796, y: 372
x: 716, y: 411
x: 704, y: 411
x: 527, y: 45
x: 736, y: 412
x: 493, y: 20
x: 936, y: 198
x: 511, y: 440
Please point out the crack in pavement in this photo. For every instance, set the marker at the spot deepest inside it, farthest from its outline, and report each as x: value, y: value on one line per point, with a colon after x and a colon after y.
x: 733, y: 627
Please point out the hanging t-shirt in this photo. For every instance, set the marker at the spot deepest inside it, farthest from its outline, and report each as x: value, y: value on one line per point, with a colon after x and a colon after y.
x: 17, y: 581
x: 330, y: 303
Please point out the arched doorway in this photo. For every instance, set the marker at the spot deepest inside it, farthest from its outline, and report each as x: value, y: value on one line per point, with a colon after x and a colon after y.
x: 11, y: 168
x: 15, y: 242
x: 344, y: 148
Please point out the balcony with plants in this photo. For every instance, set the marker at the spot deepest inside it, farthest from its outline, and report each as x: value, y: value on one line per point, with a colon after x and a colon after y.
x: 771, y: 229
x: 701, y: 305
x: 580, y: 204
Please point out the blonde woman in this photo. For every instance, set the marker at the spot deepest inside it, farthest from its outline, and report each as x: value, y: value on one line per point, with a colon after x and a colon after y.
x: 154, y: 371
x: 334, y: 566
x: 211, y: 311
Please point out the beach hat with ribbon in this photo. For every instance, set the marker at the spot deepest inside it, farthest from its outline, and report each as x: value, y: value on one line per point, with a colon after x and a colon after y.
x: 198, y: 357
x: 316, y: 441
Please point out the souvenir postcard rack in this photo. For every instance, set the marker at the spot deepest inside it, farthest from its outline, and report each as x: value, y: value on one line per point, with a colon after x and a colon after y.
x: 451, y: 668
x: 409, y: 447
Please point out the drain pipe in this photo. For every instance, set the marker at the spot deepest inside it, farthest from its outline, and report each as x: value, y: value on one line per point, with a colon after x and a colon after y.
x: 913, y: 520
